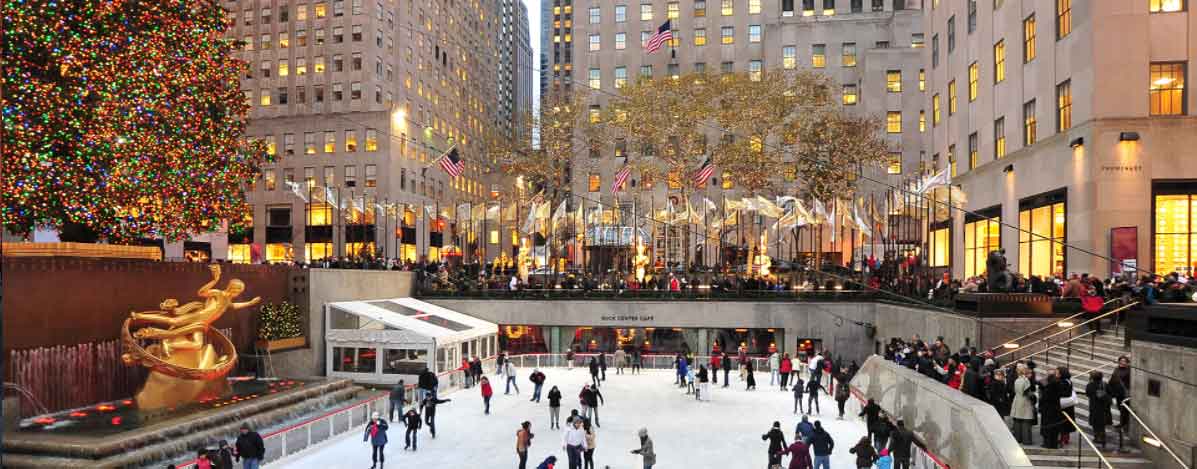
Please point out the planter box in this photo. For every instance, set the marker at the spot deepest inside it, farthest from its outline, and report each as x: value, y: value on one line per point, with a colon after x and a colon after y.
x: 282, y: 344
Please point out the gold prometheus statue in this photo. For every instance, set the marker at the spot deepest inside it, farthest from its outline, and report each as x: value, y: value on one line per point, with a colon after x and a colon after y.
x: 187, y: 358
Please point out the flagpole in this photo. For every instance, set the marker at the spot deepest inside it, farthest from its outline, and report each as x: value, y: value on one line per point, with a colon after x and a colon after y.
x: 307, y: 221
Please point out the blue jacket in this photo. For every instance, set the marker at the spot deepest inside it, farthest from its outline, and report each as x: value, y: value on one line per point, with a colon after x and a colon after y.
x: 886, y: 462
x: 380, y: 437
x: 806, y: 429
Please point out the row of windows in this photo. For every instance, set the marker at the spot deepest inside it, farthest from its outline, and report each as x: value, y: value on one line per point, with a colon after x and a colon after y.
x: 727, y: 35
x: 594, y: 181
x: 348, y: 178
x: 327, y: 144
x: 673, y: 9
x: 283, y: 67
x: 319, y: 10
x: 283, y: 96
x: 283, y: 39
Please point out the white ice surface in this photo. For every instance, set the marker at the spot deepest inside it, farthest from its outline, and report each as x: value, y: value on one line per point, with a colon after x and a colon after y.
x: 723, y: 433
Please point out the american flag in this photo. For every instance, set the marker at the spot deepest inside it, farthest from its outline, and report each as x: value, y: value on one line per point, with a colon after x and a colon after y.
x: 621, y: 177
x: 704, y: 173
x: 663, y: 35
x: 451, y: 162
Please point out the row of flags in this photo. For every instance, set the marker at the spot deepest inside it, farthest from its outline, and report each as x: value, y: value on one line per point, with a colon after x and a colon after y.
x: 700, y: 177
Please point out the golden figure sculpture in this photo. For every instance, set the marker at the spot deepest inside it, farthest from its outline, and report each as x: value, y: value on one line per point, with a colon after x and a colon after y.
x: 640, y: 262
x: 186, y: 357
x: 523, y: 260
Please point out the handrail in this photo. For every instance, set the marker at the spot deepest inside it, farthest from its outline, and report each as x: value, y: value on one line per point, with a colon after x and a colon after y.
x: 1053, y: 347
x: 1044, y: 328
x: 1070, y: 328
x: 1087, y: 440
x: 1126, y: 406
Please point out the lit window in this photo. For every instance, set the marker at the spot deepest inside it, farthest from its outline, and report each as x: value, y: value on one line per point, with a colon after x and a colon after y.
x: 789, y: 57
x: 318, y: 64
x: 371, y: 140
x: 1028, y: 39
x: 1063, y: 18
x: 1175, y: 232
x: 922, y: 120
x: 981, y: 237
x: 922, y: 80
x: 935, y: 109
x: 621, y: 76
x: 621, y: 41
x: 646, y: 12
x: 973, y: 76
x: 596, y: 42
x: 893, y: 122
x: 999, y: 61
x: 754, y: 33
x: 595, y: 184
x: 595, y: 79
x: 754, y: 69
x: 848, y: 58
x: 895, y: 163
x: 673, y: 10
x: 893, y: 81
x: 595, y: 113
x: 330, y: 141
x: 818, y: 55
x: 309, y: 143
x: 951, y: 97
x: 700, y: 8
x: 728, y: 35
x: 674, y: 71
x: 999, y: 138
x: 284, y: 68
x: 1064, y: 106
x: 727, y: 8
x: 808, y: 7
x: 917, y: 40
x: 284, y: 40
x: 265, y: 98
x: 350, y: 140
x: 700, y: 37
x: 940, y: 247
x: 301, y: 66
x: 972, y: 151
x: 1028, y: 123
x: 850, y: 94
x: 1041, y: 240
x: 952, y: 160
x: 1167, y: 89
x: 754, y: 7
x: 727, y: 181
x: 1166, y: 6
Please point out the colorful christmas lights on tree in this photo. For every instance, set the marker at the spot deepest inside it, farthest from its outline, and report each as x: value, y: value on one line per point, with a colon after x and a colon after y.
x: 123, y: 116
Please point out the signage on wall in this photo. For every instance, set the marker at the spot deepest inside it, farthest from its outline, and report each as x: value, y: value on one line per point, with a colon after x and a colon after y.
x: 1134, y: 168
x: 627, y: 317
x: 1124, y: 249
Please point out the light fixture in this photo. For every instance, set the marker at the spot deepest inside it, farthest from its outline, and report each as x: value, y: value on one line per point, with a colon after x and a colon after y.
x: 1064, y: 324
x: 1076, y: 142
x: 1010, y: 345
x: 1130, y: 136
x: 1153, y: 442
x: 1008, y: 169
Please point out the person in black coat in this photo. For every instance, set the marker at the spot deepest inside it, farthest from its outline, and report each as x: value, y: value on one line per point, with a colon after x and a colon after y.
x: 223, y: 457
x: 555, y: 408
x: 594, y: 372
x: 871, y: 412
x: 1050, y: 418
x: 591, y: 398
x: 1100, y: 401
x: 602, y: 364
x: 398, y: 398
x: 899, y: 445
x: 799, y: 387
x: 429, y: 407
x: 426, y: 384
x: 812, y: 396
x: 881, y: 432
x: 726, y: 364
x: 777, y: 443
x: 249, y: 446
x: 751, y: 379
x: 412, y: 421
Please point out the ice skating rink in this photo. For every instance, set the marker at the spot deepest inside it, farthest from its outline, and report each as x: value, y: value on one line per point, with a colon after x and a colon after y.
x: 723, y: 433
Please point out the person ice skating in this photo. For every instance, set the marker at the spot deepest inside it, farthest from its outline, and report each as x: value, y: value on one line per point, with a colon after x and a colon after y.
x: 429, y: 407
x: 742, y: 360
x: 412, y: 421
x: 554, y: 408
x: 865, y: 454
x: 682, y: 368
x: 749, y: 379
x: 784, y: 371
x: 376, y: 434
x: 799, y: 452
x: 569, y: 360
x: 509, y: 371
x: 691, y: 378
x: 774, y: 364
x: 476, y: 368
x: 899, y: 445
x: 726, y: 363
x: 573, y: 441
x: 881, y: 431
x: 798, y: 388
x: 645, y: 450
x: 398, y: 398
x: 426, y: 384
x: 884, y: 461
x: 500, y: 361
x: 487, y: 392
x: 537, y: 379
x: 842, y: 393
x: 816, y: 368
x: 523, y: 439
x: 871, y: 412
x: 602, y: 362
x: 704, y: 385
x: 777, y: 444
x: 716, y: 362
x: 594, y: 371
x: 465, y: 370
x: 795, y: 369
x: 591, y: 398
x: 636, y: 362
x: 823, y: 444
x: 620, y: 359
x: 223, y: 459
x: 548, y: 463
x: 202, y: 461
x: 812, y: 396
x: 805, y: 430
x: 249, y: 448
x: 588, y: 455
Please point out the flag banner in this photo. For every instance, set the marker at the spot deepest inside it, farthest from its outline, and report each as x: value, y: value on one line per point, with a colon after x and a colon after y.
x: 860, y: 223
x: 939, y: 179
x: 767, y: 208
x: 663, y: 35
x: 732, y: 204
x: 621, y: 177
x: 451, y: 162
x: 430, y: 211
x: 821, y: 214
x: 530, y: 221
x: 509, y: 212
x: 329, y: 198
x: 295, y: 188
x: 832, y: 219
x: 786, y: 202
x: 492, y: 212
x: 462, y: 208
x: 704, y: 173
x: 710, y: 205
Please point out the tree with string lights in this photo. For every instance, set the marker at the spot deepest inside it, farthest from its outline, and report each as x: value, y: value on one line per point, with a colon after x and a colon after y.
x: 122, y: 119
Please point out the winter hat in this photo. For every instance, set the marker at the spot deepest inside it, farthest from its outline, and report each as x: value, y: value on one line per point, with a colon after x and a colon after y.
x: 776, y: 424
x: 643, y: 432
x: 884, y: 452
x: 374, y: 415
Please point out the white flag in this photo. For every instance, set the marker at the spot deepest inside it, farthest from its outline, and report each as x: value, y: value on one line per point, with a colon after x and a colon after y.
x: 942, y: 178
x: 820, y: 212
x: 864, y: 227
x: 295, y: 188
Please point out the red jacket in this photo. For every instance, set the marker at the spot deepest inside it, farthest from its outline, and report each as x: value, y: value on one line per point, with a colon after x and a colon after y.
x: 954, y: 379
x: 486, y: 389
x: 716, y: 360
x: 786, y: 366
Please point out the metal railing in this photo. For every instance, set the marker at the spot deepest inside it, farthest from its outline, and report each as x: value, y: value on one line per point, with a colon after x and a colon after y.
x: 1085, y: 437
x: 1161, y: 444
x: 1068, y: 329
x: 1045, y: 328
x: 692, y: 294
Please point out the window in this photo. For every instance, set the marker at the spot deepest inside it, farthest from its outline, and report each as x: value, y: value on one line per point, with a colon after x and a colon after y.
x: 596, y: 42
x: 596, y: 113
x: 1028, y: 39
x: 700, y: 67
x: 952, y: 160
x: 850, y: 96
x: 726, y: 67
x: 700, y: 8
x: 284, y: 40
x: 726, y: 8
x: 355, y: 61
x: 284, y: 68
x: 972, y: 151
x: 330, y: 141
x: 355, y: 32
x: 595, y: 183
x: 894, y: 165
x: 621, y: 41
x: 646, y: 12
x: 1167, y: 88
x: 1063, y: 18
x: 700, y: 37
x: 787, y: 8
x: 922, y: 80
x: 330, y: 176
x: 828, y: 7
x: 754, y: 7
x: 999, y: 138
x: 754, y: 69
x: 621, y: 76
x: 355, y: 90
x: 951, y: 97
x: 934, y: 50
x: 371, y: 175
x: 972, y: 16
x: 922, y: 120
x: 351, y: 176
x: 288, y: 144
x: 1064, y: 106
x: 1041, y: 239
x: 320, y: 9
x: 338, y: 35
x: 301, y: 66
x: 808, y: 7
x: 818, y: 54
x: 265, y: 69
x: 674, y: 71
x: 309, y: 143
x: 999, y: 61
x: 350, y: 140
x: 917, y: 40
x: 727, y: 35
x: 271, y: 145
x: 282, y: 95
x: 264, y: 99
x: 1175, y: 233
x: 596, y: 16
x: 789, y: 57
x: 646, y: 71
x: 940, y: 247
x: 754, y: 33
x: 893, y: 81
x: 595, y: 80
x: 266, y: 15
x: 270, y: 177
x: 893, y: 122
x: 857, y: 6
x: 338, y: 63
x: 301, y: 38
x: 881, y: 45
x: 951, y: 34
x: 973, y: 76
x: 981, y: 237
x: 318, y: 64
x: 301, y: 13
x: 673, y: 10
x: 1165, y: 6
x: 371, y: 140
x: 727, y: 181
x: 309, y: 177
x: 848, y: 58
x: 1028, y: 123
x: 621, y: 13
x: 935, y: 109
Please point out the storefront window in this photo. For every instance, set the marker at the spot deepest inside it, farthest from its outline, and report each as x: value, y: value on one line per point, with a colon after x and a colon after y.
x: 1175, y: 233
x: 318, y: 251
x: 279, y: 252
x: 240, y: 254
x: 404, y: 361
x: 1041, y: 240
x: 523, y: 339
x: 354, y: 359
x: 941, y: 247
x: 980, y: 238
x: 319, y: 214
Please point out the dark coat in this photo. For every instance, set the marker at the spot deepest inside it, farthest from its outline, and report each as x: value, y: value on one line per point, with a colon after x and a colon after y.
x: 250, y: 446
x: 726, y: 362
x: 591, y: 397
x: 427, y: 380
x: 871, y: 413
x: 1100, y: 401
x: 555, y: 398
x: 223, y: 459
x: 899, y: 443
x: 777, y: 441
x: 376, y: 432
x: 822, y: 443
x: 429, y: 405
x: 865, y: 454
x: 412, y: 421
x: 799, y: 387
x: 1049, y: 406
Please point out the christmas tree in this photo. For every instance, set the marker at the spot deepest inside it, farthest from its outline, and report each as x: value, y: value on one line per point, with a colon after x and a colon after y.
x: 123, y: 117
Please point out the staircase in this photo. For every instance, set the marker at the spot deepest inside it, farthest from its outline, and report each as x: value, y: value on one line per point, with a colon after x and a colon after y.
x: 1080, y: 356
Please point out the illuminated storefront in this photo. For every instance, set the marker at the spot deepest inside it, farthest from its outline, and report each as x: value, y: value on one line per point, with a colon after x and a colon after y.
x: 519, y: 339
x: 982, y: 235
x: 1041, y: 234
x: 1174, y: 232
x: 940, y: 247
x: 240, y: 253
